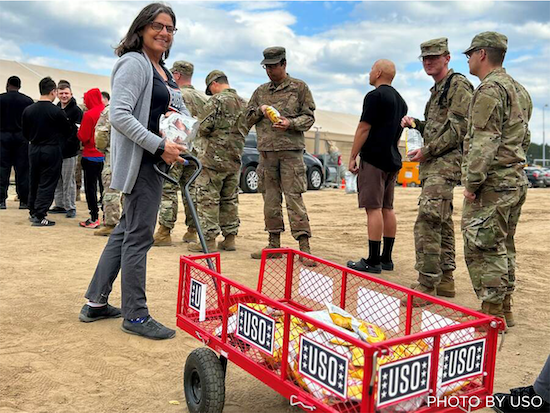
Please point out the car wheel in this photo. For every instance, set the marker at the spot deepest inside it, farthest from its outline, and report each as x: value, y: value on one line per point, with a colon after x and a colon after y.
x: 314, y: 179
x: 249, y: 182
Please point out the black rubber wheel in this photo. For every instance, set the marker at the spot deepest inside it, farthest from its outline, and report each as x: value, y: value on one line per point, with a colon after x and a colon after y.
x: 314, y: 179
x: 204, y: 382
x: 249, y: 182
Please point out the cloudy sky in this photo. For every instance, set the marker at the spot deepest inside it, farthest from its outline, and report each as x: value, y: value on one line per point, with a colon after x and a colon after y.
x: 330, y: 45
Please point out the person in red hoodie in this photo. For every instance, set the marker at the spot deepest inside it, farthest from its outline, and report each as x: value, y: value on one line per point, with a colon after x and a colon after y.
x: 92, y: 159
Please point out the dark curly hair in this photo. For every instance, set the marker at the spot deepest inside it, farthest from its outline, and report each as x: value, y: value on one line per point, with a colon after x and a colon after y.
x: 133, y: 41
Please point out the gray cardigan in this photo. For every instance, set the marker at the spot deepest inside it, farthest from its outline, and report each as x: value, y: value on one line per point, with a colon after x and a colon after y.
x: 131, y: 91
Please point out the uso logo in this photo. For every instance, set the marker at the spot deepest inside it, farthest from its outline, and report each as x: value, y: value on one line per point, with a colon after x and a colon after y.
x: 256, y: 328
x: 463, y: 361
x: 324, y: 366
x: 403, y: 379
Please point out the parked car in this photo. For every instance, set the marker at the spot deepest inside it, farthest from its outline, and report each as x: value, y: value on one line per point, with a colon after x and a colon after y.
x: 546, y: 175
x: 535, y: 176
x: 251, y: 157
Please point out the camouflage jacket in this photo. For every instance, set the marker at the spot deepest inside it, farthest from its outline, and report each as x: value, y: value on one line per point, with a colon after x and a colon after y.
x: 194, y: 100
x: 222, y: 141
x: 293, y: 99
x: 103, y: 135
x: 444, y: 128
x: 498, y: 134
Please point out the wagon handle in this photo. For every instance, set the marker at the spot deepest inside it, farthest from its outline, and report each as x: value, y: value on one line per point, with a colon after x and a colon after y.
x: 294, y: 401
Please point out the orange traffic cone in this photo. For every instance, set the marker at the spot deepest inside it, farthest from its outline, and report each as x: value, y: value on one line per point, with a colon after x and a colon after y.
x: 343, y: 184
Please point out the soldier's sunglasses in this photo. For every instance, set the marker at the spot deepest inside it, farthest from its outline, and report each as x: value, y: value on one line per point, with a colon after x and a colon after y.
x: 273, y: 66
x: 471, y: 52
x: 156, y: 26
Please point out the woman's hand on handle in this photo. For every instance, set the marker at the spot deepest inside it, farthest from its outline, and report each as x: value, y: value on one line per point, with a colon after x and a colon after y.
x: 172, y: 152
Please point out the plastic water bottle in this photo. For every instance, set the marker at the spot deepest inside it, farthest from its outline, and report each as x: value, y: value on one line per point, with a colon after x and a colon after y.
x: 413, y: 140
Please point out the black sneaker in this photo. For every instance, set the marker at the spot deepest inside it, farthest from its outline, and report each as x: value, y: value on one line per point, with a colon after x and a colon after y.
x: 71, y: 213
x: 521, y: 399
x: 3, y: 205
x: 89, y: 314
x: 22, y: 205
x: 57, y: 210
x: 387, y: 266
x: 150, y: 328
x: 44, y: 222
x: 32, y: 218
x: 363, y: 266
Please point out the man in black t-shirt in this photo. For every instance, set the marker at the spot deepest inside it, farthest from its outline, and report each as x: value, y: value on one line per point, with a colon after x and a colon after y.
x: 14, y: 149
x: 376, y: 142
x: 47, y: 129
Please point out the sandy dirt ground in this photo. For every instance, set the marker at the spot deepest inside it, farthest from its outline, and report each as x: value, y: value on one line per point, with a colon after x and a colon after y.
x: 50, y: 362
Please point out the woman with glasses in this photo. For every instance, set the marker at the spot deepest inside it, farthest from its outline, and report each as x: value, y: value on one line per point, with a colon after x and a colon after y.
x: 142, y: 90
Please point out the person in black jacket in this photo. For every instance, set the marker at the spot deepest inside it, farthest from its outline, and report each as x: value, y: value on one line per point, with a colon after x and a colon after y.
x: 47, y: 129
x: 65, y: 192
x: 14, y: 149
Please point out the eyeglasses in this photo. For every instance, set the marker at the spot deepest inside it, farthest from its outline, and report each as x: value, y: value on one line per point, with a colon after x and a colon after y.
x: 430, y: 58
x: 471, y: 52
x: 273, y: 66
x: 156, y: 26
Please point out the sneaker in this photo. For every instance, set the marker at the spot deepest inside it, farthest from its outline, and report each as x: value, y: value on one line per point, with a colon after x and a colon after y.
x: 521, y: 399
x: 90, y: 314
x: 32, y: 218
x: 22, y: 205
x: 149, y: 328
x: 363, y: 266
x: 44, y: 222
x: 3, y: 205
x: 90, y: 224
x: 57, y: 210
x: 71, y: 213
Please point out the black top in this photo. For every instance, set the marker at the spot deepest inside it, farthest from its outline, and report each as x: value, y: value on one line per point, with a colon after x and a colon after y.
x: 12, y: 105
x: 45, y: 124
x: 74, y: 113
x: 383, y: 109
x: 162, y: 98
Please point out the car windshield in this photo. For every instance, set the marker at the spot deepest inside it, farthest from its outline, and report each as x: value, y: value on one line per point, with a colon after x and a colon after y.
x: 251, y: 140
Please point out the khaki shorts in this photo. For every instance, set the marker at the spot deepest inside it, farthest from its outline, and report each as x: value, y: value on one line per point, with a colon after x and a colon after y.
x: 375, y: 187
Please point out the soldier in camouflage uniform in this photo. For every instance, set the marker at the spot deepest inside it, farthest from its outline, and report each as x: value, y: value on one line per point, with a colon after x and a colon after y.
x: 194, y: 101
x: 281, y: 147
x: 111, y: 197
x: 492, y: 173
x: 220, y: 151
x: 440, y: 158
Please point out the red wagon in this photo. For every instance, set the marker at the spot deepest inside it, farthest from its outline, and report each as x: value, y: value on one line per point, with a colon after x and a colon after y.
x: 423, y: 354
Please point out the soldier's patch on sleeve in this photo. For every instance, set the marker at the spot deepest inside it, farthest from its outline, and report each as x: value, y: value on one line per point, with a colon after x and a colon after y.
x: 461, y: 100
x: 484, y: 106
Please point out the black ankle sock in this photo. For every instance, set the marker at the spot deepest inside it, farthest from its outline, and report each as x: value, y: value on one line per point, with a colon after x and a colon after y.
x: 388, y: 247
x: 374, y: 252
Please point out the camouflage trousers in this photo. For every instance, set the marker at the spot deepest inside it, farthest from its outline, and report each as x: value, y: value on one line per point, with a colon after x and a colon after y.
x: 112, y: 199
x: 434, y: 236
x: 168, y: 213
x: 488, y: 226
x: 284, y: 172
x: 218, y: 202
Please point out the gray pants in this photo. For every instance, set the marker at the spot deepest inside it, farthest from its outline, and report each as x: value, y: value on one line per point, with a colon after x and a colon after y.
x: 65, y: 191
x: 542, y: 384
x: 128, y: 245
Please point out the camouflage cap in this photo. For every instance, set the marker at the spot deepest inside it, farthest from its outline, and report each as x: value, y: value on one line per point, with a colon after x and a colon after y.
x: 273, y: 55
x: 488, y: 39
x: 183, y: 67
x: 213, y: 75
x: 434, y: 47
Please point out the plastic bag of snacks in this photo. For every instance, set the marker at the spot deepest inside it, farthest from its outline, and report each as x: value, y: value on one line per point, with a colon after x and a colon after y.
x: 273, y: 114
x: 179, y: 128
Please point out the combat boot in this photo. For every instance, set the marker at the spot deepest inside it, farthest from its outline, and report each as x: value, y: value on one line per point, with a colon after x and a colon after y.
x: 197, y: 247
x: 105, y: 231
x: 228, y: 244
x: 493, y: 309
x: 419, y: 302
x: 303, y: 241
x: 446, y: 288
x: 190, y: 235
x: 162, y: 237
x: 274, y: 242
x: 507, y: 309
